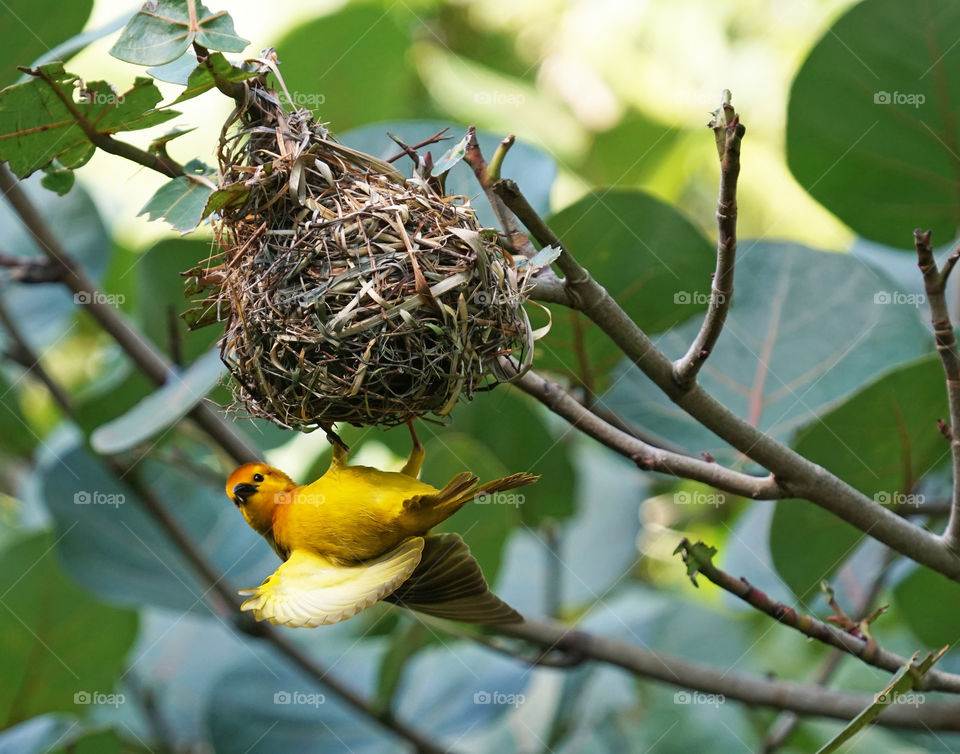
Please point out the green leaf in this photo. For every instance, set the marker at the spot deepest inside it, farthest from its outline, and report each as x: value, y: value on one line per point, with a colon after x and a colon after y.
x: 101, y: 524
x: 872, y: 120
x: 45, y: 313
x: 202, y: 78
x: 57, y: 640
x: 160, y: 295
x: 695, y: 557
x: 360, y: 43
x: 451, y: 157
x: 180, y: 202
x: 231, y: 196
x: 57, y: 179
x: 883, y: 440
x: 930, y: 605
x: 31, y: 27
x: 161, y: 409
x: 38, y: 119
x: 161, y: 33
x: 646, y: 254
x: 511, y: 426
x: 483, y: 527
x: 806, y: 329
x: 176, y: 71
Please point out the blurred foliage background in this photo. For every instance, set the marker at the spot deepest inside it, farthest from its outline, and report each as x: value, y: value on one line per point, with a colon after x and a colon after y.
x: 106, y: 640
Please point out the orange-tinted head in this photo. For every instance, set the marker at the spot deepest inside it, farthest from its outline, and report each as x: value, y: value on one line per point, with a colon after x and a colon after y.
x: 257, y: 484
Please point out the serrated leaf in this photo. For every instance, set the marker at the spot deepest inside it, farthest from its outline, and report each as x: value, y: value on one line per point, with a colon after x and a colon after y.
x: 162, y: 33
x: 202, y: 77
x: 57, y: 178
x: 227, y: 197
x: 38, y: 119
x: 180, y: 202
x: 162, y: 408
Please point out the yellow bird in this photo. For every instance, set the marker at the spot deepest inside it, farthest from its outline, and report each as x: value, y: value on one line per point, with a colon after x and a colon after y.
x: 358, y: 535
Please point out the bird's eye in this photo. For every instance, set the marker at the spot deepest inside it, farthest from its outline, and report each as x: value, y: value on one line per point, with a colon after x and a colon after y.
x: 258, y: 477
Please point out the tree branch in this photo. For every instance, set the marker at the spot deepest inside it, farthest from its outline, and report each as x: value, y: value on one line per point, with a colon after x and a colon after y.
x: 935, y: 284
x: 106, y: 142
x: 862, y: 648
x: 794, y: 472
x: 805, y: 699
x: 646, y: 456
x: 144, y: 354
x: 729, y: 132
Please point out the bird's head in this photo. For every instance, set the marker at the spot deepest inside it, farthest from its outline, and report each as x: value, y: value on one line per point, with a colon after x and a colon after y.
x: 255, y: 486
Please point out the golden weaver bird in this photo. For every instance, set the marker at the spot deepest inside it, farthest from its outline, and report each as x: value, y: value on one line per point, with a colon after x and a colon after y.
x: 358, y: 535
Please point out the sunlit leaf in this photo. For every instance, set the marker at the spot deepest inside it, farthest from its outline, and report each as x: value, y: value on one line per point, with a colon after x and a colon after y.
x: 650, y: 258
x: 872, y: 120
x: 202, y: 78
x: 162, y: 32
x: 39, y: 118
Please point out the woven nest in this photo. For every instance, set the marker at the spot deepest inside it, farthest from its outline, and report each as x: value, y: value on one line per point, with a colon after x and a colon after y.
x: 349, y: 293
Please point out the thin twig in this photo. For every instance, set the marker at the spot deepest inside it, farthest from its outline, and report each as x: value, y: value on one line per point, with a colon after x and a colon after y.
x: 805, y: 699
x: 782, y: 728
x: 729, y: 132
x: 105, y: 141
x: 861, y: 647
x: 647, y: 457
x: 519, y: 242
x: 147, y: 358
x: 935, y: 284
x: 30, y: 270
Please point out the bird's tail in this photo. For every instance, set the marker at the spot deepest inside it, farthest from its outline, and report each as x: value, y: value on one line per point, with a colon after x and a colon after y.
x: 460, y: 490
x: 448, y: 583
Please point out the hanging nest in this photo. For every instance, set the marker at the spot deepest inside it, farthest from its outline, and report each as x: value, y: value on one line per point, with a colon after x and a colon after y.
x: 349, y: 293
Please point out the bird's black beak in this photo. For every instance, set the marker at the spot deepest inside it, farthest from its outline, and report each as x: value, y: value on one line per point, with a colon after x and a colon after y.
x: 242, y: 491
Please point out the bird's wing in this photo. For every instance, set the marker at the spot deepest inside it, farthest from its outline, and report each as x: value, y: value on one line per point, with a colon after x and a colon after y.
x: 448, y: 583
x: 310, y: 590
